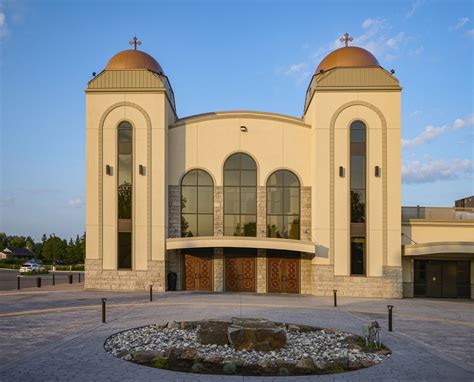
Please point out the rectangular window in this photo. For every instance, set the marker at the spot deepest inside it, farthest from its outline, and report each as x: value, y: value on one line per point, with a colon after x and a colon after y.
x: 358, y: 256
x: 124, y: 250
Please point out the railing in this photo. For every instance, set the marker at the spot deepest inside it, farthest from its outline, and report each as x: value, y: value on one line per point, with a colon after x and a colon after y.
x: 438, y: 213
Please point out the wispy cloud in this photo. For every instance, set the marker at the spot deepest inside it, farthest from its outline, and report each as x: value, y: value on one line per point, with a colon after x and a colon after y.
x: 430, y: 132
x: 429, y: 171
x: 413, y: 8
x: 3, y: 25
x: 470, y: 33
x: 299, y: 72
x: 75, y: 203
x: 7, y: 201
x: 459, y: 24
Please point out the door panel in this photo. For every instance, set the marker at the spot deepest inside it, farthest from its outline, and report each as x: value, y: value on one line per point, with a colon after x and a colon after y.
x: 283, y: 273
x: 240, y: 273
x: 198, y: 272
x: 449, y: 279
x: 434, y: 280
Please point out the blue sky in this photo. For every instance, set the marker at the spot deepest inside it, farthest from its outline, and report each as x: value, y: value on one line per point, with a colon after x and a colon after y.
x: 257, y: 55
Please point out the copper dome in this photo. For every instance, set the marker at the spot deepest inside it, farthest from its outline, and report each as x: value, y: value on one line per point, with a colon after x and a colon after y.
x: 134, y: 59
x: 349, y: 56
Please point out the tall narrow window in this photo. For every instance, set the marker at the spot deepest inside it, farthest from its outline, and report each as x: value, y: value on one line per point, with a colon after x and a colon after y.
x: 283, y: 205
x: 240, y: 196
x: 124, y: 197
x: 197, y: 204
x: 358, y: 197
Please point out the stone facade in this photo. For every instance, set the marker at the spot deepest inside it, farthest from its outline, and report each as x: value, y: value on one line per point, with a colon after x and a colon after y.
x: 306, y: 286
x: 261, y: 271
x: 218, y: 267
x: 218, y: 211
x: 408, y: 289
x: 174, y: 211
x: 305, y: 219
x: 174, y: 263
x: 124, y: 280
x: 388, y: 286
x: 261, y: 211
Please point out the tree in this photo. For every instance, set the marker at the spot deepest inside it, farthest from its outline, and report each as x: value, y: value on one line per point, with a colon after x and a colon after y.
x: 54, y: 248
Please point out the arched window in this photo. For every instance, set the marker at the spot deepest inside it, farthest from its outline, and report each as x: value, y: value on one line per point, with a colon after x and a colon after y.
x: 240, y: 196
x: 283, y: 205
x: 124, y: 194
x: 358, y: 196
x: 197, y: 204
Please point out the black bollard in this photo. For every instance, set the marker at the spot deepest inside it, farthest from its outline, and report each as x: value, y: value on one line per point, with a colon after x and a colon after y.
x: 38, y: 282
x: 103, y: 310
x: 70, y: 278
x: 54, y: 279
x: 79, y: 274
x: 335, y: 296
x: 151, y: 292
x: 390, y: 327
x: 18, y: 282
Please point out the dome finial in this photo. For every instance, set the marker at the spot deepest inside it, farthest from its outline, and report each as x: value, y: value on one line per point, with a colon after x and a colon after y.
x: 135, y: 42
x: 345, y: 39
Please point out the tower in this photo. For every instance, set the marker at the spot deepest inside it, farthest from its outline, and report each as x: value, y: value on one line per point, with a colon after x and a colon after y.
x: 129, y: 106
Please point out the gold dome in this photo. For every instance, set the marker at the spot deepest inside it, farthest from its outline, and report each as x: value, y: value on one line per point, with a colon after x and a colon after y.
x: 349, y: 56
x: 134, y: 59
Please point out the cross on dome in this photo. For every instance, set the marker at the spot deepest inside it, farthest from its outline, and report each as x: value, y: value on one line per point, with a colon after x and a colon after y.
x: 345, y: 39
x: 135, y: 42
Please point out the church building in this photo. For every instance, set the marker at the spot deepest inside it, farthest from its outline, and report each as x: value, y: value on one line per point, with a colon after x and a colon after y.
x: 256, y: 201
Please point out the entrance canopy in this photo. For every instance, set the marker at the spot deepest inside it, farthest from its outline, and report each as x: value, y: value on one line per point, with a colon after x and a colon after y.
x: 440, y: 248
x: 241, y: 242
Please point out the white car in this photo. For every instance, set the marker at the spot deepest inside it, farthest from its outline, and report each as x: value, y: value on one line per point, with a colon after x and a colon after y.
x: 30, y: 267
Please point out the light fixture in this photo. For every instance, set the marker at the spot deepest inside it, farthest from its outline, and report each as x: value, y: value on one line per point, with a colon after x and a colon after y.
x: 141, y: 169
x: 342, y: 172
x: 392, y: 71
x: 94, y: 74
x: 108, y: 169
x: 378, y: 171
x: 243, y: 128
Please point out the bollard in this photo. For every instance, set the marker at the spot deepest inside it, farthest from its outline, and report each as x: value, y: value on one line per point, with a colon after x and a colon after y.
x: 38, y: 282
x: 79, y: 274
x: 18, y: 282
x: 103, y: 310
x: 151, y: 292
x: 335, y: 296
x: 70, y: 278
x: 54, y: 279
x: 390, y: 327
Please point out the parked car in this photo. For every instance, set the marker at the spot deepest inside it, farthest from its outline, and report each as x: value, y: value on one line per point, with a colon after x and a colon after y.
x: 30, y: 267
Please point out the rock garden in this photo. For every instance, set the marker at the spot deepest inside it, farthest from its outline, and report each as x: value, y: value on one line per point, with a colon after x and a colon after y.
x: 244, y: 346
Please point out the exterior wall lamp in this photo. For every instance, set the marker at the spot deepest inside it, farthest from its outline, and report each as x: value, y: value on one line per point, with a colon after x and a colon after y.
x: 108, y: 169
x: 342, y: 171
x: 141, y: 169
x: 243, y: 129
x: 378, y: 171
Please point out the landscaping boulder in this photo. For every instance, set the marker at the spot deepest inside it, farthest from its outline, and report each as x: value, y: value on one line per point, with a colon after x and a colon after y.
x: 212, y: 332
x: 145, y: 356
x: 256, y: 334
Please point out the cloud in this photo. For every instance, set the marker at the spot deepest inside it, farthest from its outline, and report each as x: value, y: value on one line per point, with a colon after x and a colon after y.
x: 7, y: 201
x: 460, y: 23
x: 298, y: 71
x: 436, y: 170
x: 470, y: 33
x: 427, y: 135
x: 466, y: 122
x: 414, y: 7
x: 3, y: 26
x: 75, y: 203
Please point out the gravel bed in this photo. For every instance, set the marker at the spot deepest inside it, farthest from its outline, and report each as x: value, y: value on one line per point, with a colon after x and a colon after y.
x: 322, y: 346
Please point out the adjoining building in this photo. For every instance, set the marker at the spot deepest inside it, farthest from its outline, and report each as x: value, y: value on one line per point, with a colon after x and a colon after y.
x: 252, y: 201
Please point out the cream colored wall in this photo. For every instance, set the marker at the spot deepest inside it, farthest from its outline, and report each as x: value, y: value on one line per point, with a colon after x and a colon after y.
x: 434, y: 232
x: 207, y: 144
x: 150, y: 115
x: 360, y: 105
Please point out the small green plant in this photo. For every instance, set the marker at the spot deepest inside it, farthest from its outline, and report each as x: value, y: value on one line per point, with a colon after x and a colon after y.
x: 283, y: 371
x: 230, y: 368
x: 335, y: 367
x: 160, y: 363
x: 197, y: 367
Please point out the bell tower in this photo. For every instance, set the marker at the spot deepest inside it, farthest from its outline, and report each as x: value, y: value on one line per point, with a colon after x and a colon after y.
x: 129, y: 106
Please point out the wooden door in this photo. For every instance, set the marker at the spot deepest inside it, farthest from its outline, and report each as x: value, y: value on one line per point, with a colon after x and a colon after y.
x: 434, y: 282
x: 283, y: 274
x: 239, y: 273
x: 198, y: 273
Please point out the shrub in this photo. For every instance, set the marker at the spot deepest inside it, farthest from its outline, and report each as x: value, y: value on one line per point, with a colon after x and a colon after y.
x: 335, y: 367
x: 160, y: 363
x: 230, y: 368
x: 197, y: 367
x: 283, y: 371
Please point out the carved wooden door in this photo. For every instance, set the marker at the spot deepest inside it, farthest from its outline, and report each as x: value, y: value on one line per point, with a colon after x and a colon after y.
x: 240, y: 273
x: 283, y: 274
x: 198, y: 272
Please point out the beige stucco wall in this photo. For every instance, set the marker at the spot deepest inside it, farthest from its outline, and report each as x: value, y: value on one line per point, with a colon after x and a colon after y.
x: 425, y: 231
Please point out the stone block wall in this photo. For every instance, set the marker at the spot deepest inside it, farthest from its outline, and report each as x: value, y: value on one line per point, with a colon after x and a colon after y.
x: 388, y: 286
x: 174, y: 211
x: 408, y: 289
x: 305, y: 210
x: 261, y: 271
x: 174, y: 263
x: 218, y: 269
x: 306, y: 286
x: 124, y: 280
x: 218, y: 211
x: 261, y: 211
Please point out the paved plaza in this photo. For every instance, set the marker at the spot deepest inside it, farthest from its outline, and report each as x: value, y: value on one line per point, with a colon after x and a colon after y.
x: 57, y: 334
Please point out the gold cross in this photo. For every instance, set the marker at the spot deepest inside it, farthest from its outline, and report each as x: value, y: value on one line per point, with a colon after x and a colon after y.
x: 135, y: 42
x: 345, y: 39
